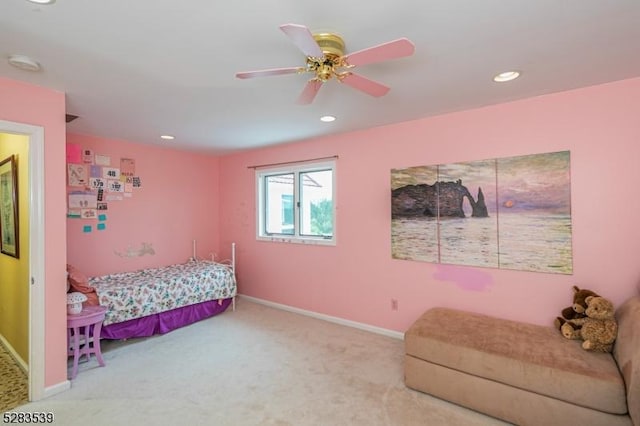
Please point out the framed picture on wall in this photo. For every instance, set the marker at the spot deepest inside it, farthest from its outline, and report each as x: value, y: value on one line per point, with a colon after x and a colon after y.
x: 9, y: 239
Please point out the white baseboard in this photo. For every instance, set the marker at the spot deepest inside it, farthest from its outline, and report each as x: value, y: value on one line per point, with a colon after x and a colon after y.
x: 337, y: 320
x: 21, y: 363
x: 56, y: 389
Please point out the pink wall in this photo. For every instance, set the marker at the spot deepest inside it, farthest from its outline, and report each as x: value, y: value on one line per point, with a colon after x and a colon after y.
x: 177, y: 203
x: 28, y: 104
x: 357, y: 279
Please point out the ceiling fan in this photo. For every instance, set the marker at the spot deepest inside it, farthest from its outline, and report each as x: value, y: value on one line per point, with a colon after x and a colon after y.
x: 326, y: 60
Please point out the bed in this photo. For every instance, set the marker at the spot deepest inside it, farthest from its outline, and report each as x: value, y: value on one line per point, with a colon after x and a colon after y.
x: 158, y: 300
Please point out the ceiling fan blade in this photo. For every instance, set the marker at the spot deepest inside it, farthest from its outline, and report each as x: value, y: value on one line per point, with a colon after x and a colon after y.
x: 302, y: 37
x: 269, y: 72
x: 382, y: 52
x: 364, y: 84
x: 310, y: 91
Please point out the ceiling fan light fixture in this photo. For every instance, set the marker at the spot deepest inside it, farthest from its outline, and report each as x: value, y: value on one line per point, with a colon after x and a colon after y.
x: 331, y: 44
x: 327, y: 118
x: 167, y: 137
x: 503, y: 77
x: 42, y: 1
x: 24, y: 63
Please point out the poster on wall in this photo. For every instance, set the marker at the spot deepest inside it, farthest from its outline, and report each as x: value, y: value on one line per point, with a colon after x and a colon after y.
x: 77, y: 174
x: 87, y: 156
x: 88, y: 214
x: 97, y: 183
x: 83, y: 200
x: 95, y: 171
x: 74, y: 153
x: 102, y: 160
x: 127, y: 167
x: 110, y: 173
x: 115, y: 186
x: 508, y: 213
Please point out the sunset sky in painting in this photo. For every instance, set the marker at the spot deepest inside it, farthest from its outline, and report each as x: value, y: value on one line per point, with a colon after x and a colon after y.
x: 536, y: 182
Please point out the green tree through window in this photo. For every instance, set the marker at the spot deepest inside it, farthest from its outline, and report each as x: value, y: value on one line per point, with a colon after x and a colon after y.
x: 322, y: 217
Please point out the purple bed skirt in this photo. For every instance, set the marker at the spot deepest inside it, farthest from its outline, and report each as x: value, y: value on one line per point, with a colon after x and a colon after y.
x: 164, y: 322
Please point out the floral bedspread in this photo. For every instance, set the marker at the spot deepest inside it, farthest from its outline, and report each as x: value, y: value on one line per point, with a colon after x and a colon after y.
x: 137, y: 294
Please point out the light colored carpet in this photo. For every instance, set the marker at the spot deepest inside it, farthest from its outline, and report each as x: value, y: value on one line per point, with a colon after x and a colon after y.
x: 255, y: 366
x: 14, y: 388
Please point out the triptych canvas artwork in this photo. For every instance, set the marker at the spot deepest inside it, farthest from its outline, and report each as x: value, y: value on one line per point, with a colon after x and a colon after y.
x: 507, y: 213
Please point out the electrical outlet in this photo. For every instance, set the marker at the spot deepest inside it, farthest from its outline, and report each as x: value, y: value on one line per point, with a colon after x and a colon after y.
x: 394, y: 304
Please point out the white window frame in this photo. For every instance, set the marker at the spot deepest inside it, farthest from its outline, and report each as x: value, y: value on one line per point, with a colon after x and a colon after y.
x: 296, y: 169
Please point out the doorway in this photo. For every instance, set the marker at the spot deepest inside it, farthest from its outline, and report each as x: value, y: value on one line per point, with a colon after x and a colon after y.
x: 36, y: 253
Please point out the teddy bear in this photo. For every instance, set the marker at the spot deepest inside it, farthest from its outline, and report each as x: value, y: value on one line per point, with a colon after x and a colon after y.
x: 598, y: 329
x: 576, y: 310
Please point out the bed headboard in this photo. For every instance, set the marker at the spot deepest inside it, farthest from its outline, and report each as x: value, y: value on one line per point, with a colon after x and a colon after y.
x: 233, y: 258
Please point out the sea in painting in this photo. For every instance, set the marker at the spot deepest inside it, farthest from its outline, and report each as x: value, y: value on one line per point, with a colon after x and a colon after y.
x: 474, y: 242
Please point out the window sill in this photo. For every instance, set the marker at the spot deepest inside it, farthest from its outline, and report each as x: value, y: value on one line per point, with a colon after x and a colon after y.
x: 298, y: 240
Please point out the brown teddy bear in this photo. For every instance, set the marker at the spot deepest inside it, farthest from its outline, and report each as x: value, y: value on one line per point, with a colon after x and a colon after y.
x: 598, y: 329
x: 576, y: 310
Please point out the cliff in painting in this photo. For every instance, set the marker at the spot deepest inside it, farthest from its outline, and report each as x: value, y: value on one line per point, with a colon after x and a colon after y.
x: 442, y: 199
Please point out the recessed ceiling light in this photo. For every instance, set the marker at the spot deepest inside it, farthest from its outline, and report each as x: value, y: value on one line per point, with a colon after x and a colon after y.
x: 167, y: 137
x: 24, y: 63
x: 42, y: 1
x: 327, y: 118
x: 506, y: 76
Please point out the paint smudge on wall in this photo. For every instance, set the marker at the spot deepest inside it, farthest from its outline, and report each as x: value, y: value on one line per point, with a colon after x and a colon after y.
x: 466, y: 278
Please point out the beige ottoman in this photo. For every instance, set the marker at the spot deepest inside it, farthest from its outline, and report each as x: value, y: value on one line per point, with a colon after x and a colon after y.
x: 521, y: 373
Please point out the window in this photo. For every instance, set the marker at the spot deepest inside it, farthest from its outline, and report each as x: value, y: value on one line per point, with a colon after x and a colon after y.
x: 296, y: 203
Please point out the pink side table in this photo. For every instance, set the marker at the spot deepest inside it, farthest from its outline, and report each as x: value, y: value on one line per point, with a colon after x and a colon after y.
x: 88, y: 323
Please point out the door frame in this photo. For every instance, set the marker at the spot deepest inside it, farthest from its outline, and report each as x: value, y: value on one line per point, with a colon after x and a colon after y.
x: 36, y: 360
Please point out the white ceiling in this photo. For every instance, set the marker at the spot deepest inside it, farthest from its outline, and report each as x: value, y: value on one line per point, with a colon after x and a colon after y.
x: 136, y: 69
